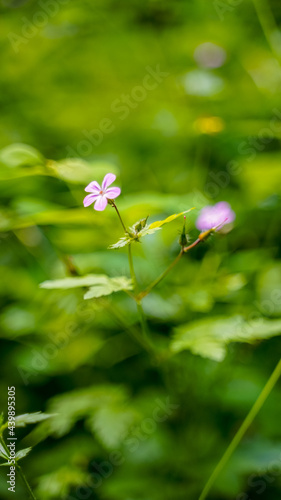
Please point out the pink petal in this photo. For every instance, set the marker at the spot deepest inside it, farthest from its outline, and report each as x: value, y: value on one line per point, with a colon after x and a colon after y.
x: 109, y: 179
x: 100, y: 203
x: 216, y: 215
x: 93, y: 187
x: 112, y: 193
x: 89, y: 199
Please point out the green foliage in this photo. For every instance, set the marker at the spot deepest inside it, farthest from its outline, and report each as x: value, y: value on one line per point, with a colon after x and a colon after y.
x: 20, y: 155
x: 77, y: 171
x: 57, y: 484
x: 3, y: 452
x: 141, y: 228
x: 209, y: 337
x: 31, y: 418
x: 202, y: 135
x: 105, y: 409
x: 100, y: 285
x: 23, y: 453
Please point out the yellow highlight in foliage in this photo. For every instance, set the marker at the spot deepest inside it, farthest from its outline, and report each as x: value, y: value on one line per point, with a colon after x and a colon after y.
x: 160, y: 223
x: 209, y: 125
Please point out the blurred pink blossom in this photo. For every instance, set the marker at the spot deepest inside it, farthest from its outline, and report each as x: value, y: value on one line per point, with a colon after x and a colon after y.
x: 215, y: 216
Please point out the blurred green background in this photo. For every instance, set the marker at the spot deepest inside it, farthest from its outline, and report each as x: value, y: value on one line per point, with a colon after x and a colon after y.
x: 182, y: 101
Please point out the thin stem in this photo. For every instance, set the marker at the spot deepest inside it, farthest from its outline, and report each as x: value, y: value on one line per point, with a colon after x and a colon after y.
x: 145, y: 292
x: 133, y: 332
x: 242, y: 430
x: 267, y: 23
x: 141, y: 314
x: 19, y: 469
x: 120, y: 218
x: 154, y: 283
x: 194, y: 244
x: 132, y: 269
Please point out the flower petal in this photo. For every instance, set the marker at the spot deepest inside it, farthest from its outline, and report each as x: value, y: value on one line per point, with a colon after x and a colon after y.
x: 93, y: 187
x: 100, y: 203
x: 112, y: 193
x: 89, y: 199
x: 108, y: 179
x: 204, y: 220
x: 216, y: 215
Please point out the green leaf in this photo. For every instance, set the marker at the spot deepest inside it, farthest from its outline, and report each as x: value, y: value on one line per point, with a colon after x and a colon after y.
x: 141, y: 228
x: 160, y: 223
x: 3, y: 452
x: 18, y: 155
x: 209, y: 337
x: 78, y: 171
x: 99, y: 284
x: 58, y: 484
x: 83, y: 403
x: 22, y: 453
x: 122, y: 242
x: 112, y: 285
x: 30, y: 418
x: 112, y: 424
x: 76, y: 282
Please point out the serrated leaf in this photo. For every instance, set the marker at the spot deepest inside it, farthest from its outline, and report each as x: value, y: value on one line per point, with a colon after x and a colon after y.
x: 99, y: 284
x: 121, y: 243
x: 76, y: 282
x: 81, y: 403
x: 135, y: 233
x: 18, y: 155
x: 22, y: 453
x: 30, y: 418
x: 112, y: 285
x: 209, y: 337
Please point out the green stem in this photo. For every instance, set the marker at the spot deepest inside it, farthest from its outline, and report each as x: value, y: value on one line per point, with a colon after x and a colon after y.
x: 132, y: 269
x: 242, y: 430
x: 145, y: 292
x: 154, y: 283
x: 19, y: 469
x: 133, y: 332
x: 194, y: 244
x: 120, y: 218
x: 267, y: 23
x: 141, y: 314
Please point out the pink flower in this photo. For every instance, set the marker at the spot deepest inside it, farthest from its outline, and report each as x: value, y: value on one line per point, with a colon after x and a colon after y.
x: 101, y: 194
x: 215, y: 216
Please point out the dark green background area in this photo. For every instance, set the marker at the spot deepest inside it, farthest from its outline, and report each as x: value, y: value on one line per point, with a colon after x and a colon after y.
x: 202, y: 135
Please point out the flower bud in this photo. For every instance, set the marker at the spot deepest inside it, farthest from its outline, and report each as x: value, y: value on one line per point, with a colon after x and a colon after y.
x: 183, y: 241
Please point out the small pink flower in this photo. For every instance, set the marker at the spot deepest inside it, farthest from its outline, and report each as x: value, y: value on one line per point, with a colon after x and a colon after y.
x: 101, y: 194
x: 215, y: 216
